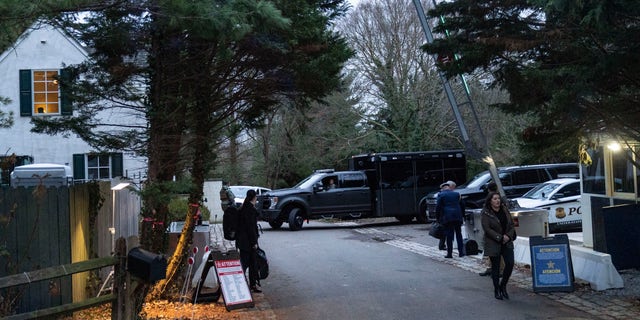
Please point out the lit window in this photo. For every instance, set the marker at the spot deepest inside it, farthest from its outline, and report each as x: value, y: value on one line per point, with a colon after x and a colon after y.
x: 46, y: 92
x: 622, y: 171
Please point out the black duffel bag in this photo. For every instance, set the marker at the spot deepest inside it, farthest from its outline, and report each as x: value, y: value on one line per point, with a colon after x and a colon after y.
x: 437, y: 230
x: 263, y: 264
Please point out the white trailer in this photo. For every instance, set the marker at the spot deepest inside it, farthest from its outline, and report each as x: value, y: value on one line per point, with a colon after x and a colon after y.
x: 47, y: 174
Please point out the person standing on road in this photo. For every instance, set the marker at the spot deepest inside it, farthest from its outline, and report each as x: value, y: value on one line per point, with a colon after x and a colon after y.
x: 492, y: 187
x: 450, y: 208
x: 499, y: 233
x: 227, y: 198
x: 247, y: 239
x: 442, y: 243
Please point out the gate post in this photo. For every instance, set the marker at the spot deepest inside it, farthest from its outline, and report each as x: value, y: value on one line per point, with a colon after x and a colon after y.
x: 119, y: 276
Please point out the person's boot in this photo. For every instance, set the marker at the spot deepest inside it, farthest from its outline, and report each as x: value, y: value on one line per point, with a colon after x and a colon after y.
x: 503, y: 291
x: 449, y: 253
x: 497, y: 293
x: 256, y: 288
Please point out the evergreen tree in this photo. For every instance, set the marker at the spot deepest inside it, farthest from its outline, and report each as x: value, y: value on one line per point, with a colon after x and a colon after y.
x: 186, y: 70
x: 573, y: 64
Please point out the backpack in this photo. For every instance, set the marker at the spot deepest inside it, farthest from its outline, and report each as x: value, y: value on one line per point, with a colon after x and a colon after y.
x: 263, y: 264
x: 230, y: 220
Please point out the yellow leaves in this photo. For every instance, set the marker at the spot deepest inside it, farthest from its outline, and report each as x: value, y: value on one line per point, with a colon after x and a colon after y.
x: 163, y: 309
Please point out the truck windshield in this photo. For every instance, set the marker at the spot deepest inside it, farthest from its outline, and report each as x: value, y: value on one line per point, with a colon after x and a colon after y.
x: 308, y: 181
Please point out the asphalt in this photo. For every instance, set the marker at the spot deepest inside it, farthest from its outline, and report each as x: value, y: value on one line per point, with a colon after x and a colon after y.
x: 621, y: 303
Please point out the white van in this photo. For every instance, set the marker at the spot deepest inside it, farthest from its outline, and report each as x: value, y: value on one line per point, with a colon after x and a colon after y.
x: 47, y: 174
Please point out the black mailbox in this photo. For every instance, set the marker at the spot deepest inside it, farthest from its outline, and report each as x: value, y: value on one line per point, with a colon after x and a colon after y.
x: 146, y: 265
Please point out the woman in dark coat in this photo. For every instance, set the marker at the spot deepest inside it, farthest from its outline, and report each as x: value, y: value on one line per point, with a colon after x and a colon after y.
x: 247, y: 238
x: 499, y: 233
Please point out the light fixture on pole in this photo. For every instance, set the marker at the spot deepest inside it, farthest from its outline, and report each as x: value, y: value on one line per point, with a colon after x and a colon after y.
x: 112, y: 230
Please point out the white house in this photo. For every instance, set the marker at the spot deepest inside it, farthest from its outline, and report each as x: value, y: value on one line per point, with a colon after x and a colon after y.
x: 28, y: 77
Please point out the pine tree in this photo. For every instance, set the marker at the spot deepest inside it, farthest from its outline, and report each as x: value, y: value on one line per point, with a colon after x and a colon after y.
x: 189, y: 69
x: 573, y: 64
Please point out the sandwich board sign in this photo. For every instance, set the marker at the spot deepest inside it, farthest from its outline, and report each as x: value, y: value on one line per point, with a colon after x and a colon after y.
x: 233, y: 282
x: 551, y: 266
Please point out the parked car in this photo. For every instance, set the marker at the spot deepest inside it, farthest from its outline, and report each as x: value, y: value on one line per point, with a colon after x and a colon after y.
x: 516, y: 181
x: 561, y: 197
x: 241, y: 192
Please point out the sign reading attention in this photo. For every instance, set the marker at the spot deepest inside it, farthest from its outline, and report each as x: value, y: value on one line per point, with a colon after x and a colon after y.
x: 551, y: 266
x: 235, y: 290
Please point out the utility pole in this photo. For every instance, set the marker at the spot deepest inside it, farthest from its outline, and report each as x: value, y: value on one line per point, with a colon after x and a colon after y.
x: 471, y: 150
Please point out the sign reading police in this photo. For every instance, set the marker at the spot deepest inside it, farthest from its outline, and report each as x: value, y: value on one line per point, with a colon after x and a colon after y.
x: 551, y: 266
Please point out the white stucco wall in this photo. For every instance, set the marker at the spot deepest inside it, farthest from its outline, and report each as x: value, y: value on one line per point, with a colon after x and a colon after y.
x: 46, y: 47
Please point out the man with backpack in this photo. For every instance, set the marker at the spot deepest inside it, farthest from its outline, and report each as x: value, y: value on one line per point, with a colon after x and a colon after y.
x: 227, y: 198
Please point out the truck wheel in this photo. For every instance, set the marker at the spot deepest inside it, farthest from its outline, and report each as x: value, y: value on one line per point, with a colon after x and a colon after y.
x: 421, y: 217
x: 276, y: 224
x: 295, y: 219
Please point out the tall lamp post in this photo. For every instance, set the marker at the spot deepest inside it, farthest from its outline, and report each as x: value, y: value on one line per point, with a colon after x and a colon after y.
x: 114, y: 189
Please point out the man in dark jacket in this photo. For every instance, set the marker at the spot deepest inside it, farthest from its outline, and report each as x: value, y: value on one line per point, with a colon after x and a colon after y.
x: 247, y: 239
x: 442, y: 242
x: 450, y: 209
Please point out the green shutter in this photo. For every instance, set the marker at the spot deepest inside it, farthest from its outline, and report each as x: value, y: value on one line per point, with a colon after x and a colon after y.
x: 78, y: 167
x: 116, y: 165
x: 65, y: 99
x: 26, y: 99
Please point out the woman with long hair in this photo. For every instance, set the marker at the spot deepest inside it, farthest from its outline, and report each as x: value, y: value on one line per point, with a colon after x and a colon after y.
x: 247, y: 238
x: 499, y: 233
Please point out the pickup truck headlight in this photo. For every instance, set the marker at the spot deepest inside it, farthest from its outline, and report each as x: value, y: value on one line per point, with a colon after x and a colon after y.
x: 274, y: 202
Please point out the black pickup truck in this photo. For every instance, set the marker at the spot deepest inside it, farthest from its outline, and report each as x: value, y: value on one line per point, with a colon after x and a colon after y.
x: 317, y: 197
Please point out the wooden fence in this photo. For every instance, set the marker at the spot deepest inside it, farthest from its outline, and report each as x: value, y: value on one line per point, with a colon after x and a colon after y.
x: 48, y: 227
x: 117, y: 297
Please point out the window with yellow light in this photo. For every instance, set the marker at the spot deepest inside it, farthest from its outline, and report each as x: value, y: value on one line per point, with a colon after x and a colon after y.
x: 46, y: 92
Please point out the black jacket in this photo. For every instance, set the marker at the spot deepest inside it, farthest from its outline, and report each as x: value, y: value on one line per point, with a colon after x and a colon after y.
x: 247, y: 233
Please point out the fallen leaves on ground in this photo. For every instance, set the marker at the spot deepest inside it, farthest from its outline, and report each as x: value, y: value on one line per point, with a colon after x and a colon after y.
x: 163, y: 309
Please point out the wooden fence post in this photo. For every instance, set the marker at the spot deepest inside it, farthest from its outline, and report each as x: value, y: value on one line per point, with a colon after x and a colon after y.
x: 119, y: 276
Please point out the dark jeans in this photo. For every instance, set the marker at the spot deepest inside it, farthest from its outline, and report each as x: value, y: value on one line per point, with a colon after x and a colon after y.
x: 450, y: 229
x: 507, y: 256
x: 249, y: 260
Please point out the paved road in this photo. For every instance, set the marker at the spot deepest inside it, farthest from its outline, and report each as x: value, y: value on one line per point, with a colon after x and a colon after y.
x: 384, y: 271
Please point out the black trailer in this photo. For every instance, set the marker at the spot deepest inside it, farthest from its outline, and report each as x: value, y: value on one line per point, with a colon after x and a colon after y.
x: 400, y: 181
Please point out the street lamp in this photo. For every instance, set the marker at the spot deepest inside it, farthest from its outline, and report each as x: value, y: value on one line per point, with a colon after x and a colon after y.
x: 112, y: 230
x: 614, y: 146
